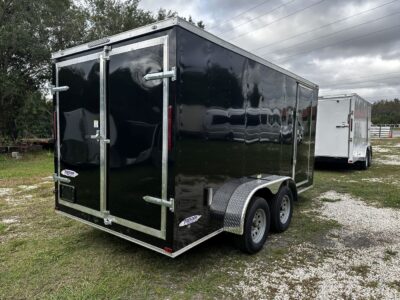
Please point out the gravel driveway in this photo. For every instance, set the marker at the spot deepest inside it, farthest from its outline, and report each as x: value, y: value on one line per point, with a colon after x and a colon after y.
x: 358, y: 260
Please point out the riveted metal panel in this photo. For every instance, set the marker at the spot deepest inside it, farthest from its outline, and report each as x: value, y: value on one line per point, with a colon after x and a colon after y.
x: 222, y: 196
x: 240, y: 199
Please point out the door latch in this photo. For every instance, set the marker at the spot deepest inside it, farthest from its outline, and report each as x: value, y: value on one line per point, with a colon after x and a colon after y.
x: 98, y: 137
x: 160, y: 75
x: 57, y: 178
x: 161, y: 202
x: 55, y: 89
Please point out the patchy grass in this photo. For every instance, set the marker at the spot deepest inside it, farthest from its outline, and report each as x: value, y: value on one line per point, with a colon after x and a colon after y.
x: 45, y: 255
x: 30, y: 166
x: 3, y: 227
x: 361, y: 270
x: 360, y: 183
x: 389, y: 254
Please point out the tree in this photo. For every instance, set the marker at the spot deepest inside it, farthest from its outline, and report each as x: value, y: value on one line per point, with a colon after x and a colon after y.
x: 31, y: 30
x: 386, y: 112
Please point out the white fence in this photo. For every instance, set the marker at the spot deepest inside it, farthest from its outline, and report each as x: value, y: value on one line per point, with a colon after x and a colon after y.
x: 378, y: 132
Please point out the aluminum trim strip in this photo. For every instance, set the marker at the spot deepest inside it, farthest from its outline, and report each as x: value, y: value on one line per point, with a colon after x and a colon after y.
x: 119, y: 37
x: 138, y: 46
x: 117, y: 220
x: 58, y: 133
x: 199, y: 241
x: 103, y: 132
x: 294, y: 159
x: 305, y: 189
x: 78, y: 60
x: 192, y: 28
x: 139, y: 242
x: 116, y: 233
x: 164, y: 158
x: 302, y: 182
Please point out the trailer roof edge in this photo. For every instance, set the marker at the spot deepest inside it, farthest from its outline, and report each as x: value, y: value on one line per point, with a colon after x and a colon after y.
x: 331, y: 97
x: 186, y: 25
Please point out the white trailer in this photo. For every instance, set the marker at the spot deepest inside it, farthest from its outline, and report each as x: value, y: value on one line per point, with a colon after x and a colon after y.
x: 343, y: 130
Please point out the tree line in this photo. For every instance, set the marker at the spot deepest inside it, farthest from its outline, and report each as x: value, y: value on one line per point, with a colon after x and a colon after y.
x: 386, y: 112
x: 30, y: 31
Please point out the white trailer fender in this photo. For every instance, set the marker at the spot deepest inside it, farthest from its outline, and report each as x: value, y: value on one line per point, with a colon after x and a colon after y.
x: 240, y: 197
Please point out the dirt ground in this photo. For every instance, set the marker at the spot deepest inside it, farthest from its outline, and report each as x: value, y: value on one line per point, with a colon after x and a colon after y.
x: 344, y: 242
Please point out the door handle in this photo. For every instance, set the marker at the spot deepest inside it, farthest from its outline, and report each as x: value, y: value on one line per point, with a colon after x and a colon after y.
x: 342, y: 126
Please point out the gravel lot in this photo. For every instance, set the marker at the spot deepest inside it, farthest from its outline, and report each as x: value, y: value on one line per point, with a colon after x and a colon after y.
x: 358, y: 260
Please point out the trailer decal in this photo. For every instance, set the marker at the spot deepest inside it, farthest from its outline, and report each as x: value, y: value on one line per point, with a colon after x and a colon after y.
x: 69, y: 173
x: 189, y: 220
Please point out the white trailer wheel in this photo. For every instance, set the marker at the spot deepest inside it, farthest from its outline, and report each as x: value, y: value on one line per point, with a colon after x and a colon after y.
x: 284, y: 212
x: 258, y: 226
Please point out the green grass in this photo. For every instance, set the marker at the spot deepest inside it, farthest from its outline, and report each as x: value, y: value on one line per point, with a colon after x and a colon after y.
x: 45, y: 255
x: 3, y: 227
x: 30, y: 165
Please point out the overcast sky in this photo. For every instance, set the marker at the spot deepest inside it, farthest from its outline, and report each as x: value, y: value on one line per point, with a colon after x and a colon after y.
x: 344, y: 46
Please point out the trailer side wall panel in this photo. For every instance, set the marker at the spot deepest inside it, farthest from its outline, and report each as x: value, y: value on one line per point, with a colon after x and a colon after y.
x: 235, y: 117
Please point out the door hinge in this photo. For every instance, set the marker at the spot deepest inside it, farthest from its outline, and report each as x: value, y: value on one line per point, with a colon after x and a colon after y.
x: 108, y: 219
x: 159, y: 201
x: 57, y: 178
x: 160, y: 75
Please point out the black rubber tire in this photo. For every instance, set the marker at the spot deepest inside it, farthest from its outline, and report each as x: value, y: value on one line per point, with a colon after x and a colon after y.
x: 363, y: 165
x: 370, y: 158
x: 275, y: 205
x: 244, y: 242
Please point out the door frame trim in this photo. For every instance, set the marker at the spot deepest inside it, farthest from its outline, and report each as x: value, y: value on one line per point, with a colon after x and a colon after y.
x: 299, y: 85
x: 102, y: 57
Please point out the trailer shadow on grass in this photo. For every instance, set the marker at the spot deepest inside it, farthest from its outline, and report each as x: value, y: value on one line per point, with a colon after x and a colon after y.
x: 342, y: 167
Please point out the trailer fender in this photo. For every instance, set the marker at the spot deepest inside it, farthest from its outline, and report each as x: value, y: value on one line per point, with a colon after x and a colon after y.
x: 239, y: 201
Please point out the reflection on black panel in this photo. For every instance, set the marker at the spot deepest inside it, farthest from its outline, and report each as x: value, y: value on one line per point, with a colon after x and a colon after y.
x: 235, y: 117
x: 303, y: 133
x: 79, y: 119
x: 135, y: 105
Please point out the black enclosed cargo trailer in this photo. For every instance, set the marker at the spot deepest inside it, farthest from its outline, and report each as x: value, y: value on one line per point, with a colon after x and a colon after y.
x: 168, y: 135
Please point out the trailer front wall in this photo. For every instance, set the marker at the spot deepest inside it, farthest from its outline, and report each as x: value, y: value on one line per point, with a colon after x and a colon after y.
x: 234, y: 118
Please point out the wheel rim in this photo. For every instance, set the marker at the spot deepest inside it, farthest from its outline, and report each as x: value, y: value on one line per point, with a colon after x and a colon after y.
x: 258, y: 225
x: 284, y: 210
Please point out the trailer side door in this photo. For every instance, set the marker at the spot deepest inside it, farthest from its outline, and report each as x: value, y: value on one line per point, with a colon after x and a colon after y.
x: 303, y: 136
x: 333, y: 127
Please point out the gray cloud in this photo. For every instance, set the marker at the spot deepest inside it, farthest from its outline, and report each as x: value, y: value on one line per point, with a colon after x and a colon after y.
x: 342, y: 62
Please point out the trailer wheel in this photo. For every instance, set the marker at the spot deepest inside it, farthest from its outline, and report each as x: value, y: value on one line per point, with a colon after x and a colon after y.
x: 363, y: 165
x: 281, y: 209
x: 369, y: 153
x: 256, y: 226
